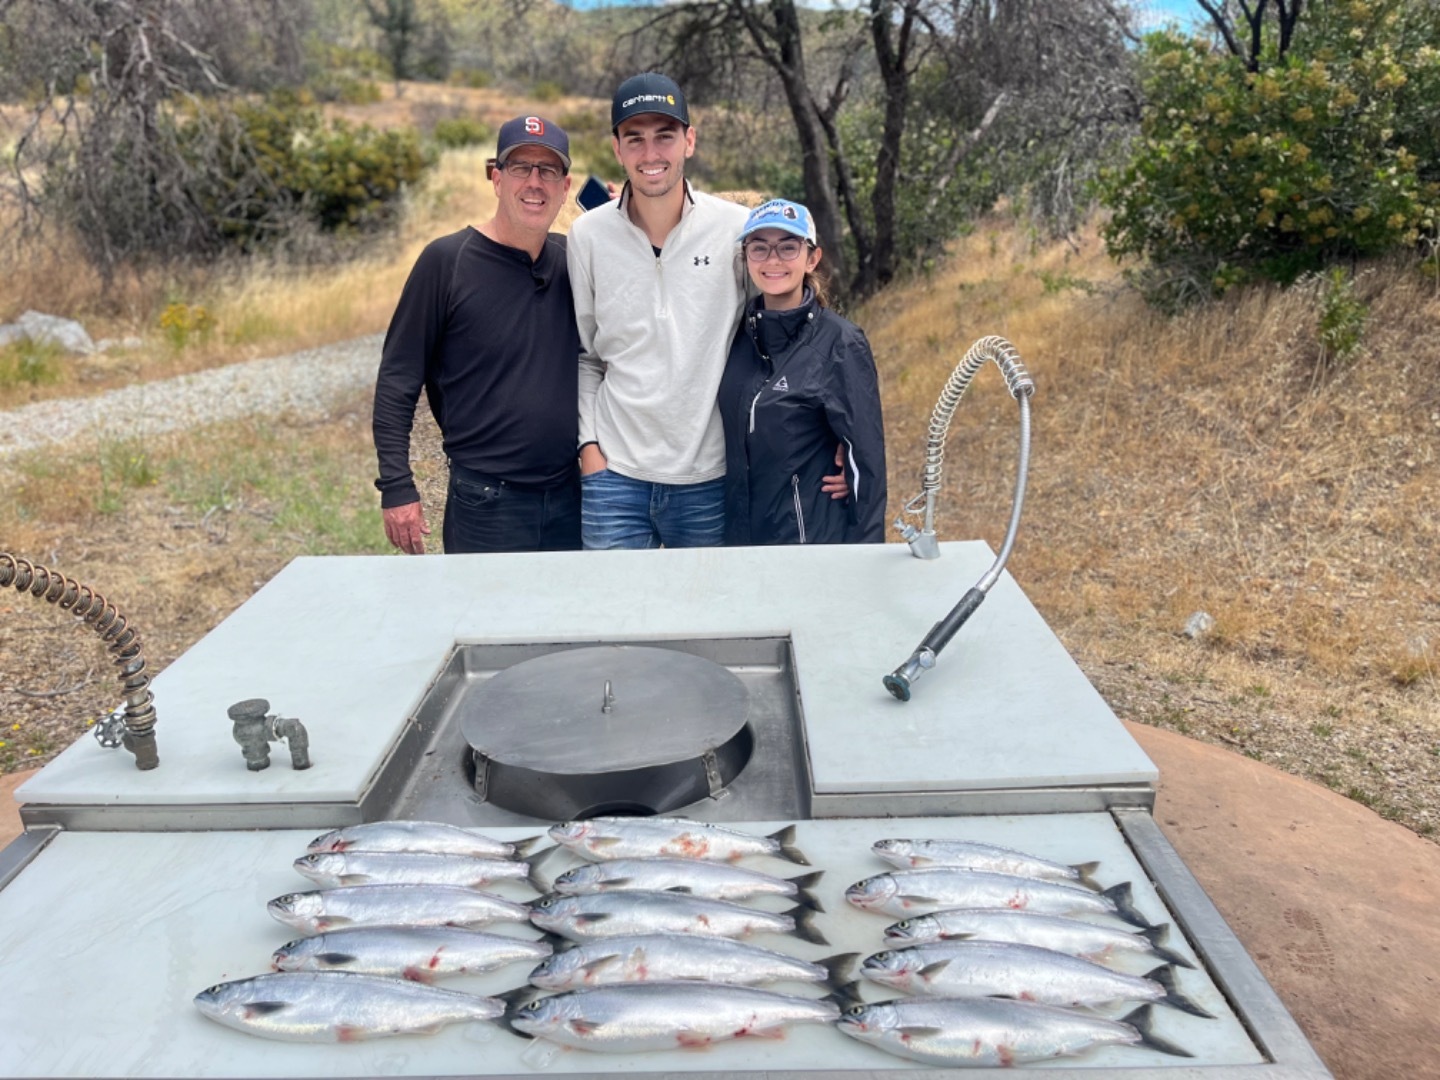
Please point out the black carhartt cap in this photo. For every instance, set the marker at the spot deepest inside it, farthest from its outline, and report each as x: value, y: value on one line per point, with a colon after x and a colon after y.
x: 648, y: 93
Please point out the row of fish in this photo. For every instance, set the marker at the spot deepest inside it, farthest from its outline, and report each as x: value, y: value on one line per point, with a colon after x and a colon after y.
x: 655, y: 914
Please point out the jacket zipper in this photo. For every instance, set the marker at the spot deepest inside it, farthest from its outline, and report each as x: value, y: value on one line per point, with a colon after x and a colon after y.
x: 799, y: 515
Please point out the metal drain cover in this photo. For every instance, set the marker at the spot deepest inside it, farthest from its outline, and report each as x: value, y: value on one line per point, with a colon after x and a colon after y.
x: 606, y: 729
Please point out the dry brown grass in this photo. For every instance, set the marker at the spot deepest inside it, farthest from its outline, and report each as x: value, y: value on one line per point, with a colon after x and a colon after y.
x: 1202, y: 463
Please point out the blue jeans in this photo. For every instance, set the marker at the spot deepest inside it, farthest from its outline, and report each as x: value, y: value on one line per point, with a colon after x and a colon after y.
x: 483, y: 513
x: 618, y: 512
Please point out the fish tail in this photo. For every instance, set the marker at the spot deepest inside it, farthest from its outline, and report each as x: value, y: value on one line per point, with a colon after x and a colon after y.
x: 524, y: 847
x: 514, y: 1001
x: 1086, y: 870
x: 1143, y: 1022
x: 1123, y: 897
x: 1165, y: 976
x: 1157, y: 936
x: 803, y: 884
x: 536, y: 879
x: 805, y: 928
x: 840, y: 972
x: 786, y: 839
x: 844, y: 995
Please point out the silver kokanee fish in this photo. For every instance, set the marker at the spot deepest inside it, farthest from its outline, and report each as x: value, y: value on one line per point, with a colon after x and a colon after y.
x: 990, y: 1031
x: 664, y: 1016
x: 336, y: 869
x: 670, y: 957
x: 621, y: 914
x: 713, y: 880
x: 973, y: 855
x: 922, y: 892
x: 424, y: 836
x: 393, y: 905
x: 1071, y: 936
x: 1003, y: 969
x: 337, y: 1006
x: 421, y: 953
x: 604, y: 838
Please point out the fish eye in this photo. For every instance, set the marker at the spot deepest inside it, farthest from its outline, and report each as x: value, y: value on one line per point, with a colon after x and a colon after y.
x: 533, y: 1006
x: 904, y: 924
x: 886, y: 955
x: 855, y: 1010
x: 545, y: 902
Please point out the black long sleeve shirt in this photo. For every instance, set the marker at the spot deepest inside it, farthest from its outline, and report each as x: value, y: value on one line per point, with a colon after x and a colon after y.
x: 490, y: 335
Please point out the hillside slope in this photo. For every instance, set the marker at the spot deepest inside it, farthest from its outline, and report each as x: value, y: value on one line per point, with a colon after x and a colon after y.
x: 1212, y: 463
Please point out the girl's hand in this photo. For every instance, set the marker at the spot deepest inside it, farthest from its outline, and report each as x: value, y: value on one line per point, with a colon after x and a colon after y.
x: 837, y: 487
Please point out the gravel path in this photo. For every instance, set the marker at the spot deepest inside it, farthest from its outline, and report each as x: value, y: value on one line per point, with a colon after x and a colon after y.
x: 305, y: 382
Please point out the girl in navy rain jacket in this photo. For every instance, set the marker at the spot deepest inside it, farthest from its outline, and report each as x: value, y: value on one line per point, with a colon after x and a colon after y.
x: 799, y: 384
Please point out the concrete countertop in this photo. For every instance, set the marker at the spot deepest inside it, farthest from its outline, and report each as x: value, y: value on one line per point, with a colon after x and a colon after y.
x: 349, y: 646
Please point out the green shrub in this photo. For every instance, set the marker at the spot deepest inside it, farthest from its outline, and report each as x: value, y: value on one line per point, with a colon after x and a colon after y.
x: 547, y: 91
x: 30, y: 362
x: 183, y: 324
x: 1325, y: 153
x: 1342, y: 317
x: 278, y: 160
x: 461, y: 131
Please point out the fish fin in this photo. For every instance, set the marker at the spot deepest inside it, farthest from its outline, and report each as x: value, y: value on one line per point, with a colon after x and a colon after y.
x: 803, y: 884
x: 600, y: 964
x: 348, y: 1033
x: 556, y: 942
x: 535, y: 879
x: 1165, y: 976
x: 912, y: 1030
x: 420, y: 975
x: 840, y: 969
x: 601, y: 842
x: 354, y: 879
x: 1123, y: 897
x: 805, y: 928
x: 914, y: 898
x: 1141, y: 1020
x: 583, y: 1027
x: 930, y: 970
x: 1157, y: 936
x: 335, y: 959
x: 684, y: 889
x: 524, y: 847
x: 264, y: 1008
x: 776, y: 1032
x: 589, y: 918
x: 1086, y: 870
x: 786, y: 839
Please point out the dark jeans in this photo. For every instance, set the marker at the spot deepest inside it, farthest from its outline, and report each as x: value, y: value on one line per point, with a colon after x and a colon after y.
x: 621, y: 512
x: 483, y: 513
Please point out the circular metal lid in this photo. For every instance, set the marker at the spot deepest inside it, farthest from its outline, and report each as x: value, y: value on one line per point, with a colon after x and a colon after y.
x: 552, y: 713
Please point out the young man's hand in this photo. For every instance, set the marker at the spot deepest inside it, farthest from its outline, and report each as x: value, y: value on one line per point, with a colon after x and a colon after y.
x: 591, y: 459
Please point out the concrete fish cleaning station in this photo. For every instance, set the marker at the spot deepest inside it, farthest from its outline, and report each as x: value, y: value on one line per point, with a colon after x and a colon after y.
x: 856, y: 693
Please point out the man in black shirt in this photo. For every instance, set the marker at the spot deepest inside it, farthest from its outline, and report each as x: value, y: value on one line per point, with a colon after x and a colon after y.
x: 486, y: 326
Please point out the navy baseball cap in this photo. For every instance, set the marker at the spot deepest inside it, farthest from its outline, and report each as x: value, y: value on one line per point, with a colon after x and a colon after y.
x: 650, y: 92
x: 532, y: 131
x: 781, y: 214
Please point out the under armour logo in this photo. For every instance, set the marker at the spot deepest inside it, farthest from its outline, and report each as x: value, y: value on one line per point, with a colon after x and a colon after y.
x: 781, y: 385
x: 699, y: 259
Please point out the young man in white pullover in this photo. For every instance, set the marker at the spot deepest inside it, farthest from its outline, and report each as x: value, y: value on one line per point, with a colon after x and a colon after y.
x: 658, y: 293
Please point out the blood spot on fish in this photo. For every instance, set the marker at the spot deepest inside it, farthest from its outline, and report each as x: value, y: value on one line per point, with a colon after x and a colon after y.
x: 691, y: 1040
x: 435, y: 960
x: 1017, y: 902
x: 1006, y: 1055
x: 975, y: 1046
x: 688, y: 845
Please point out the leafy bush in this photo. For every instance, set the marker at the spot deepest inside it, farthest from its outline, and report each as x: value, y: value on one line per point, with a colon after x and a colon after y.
x: 29, y: 362
x: 1327, y: 152
x: 461, y: 131
x: 279, y: 161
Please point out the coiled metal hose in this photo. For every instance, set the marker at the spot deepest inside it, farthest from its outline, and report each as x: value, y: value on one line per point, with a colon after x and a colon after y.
x: 923, y: 543
x: 123, y: 640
